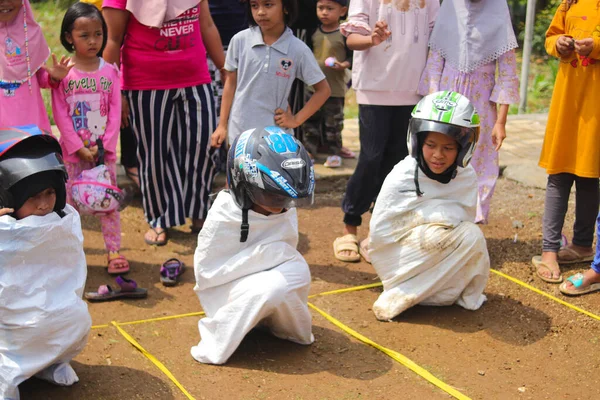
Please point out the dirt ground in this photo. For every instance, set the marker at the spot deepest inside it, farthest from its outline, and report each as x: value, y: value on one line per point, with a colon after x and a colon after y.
x: 518, y: 345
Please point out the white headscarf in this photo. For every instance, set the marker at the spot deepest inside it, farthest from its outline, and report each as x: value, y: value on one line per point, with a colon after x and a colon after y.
x: 472, y: 33
x: 155, y: 13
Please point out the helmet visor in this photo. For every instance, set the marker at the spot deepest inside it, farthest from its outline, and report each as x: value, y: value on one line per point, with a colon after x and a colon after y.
x: 263, y: 198
x: 461, y: 134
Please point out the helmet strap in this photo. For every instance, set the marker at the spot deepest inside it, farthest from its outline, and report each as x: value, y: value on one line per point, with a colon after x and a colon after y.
x: 418, y: 189
x: 245, y: 226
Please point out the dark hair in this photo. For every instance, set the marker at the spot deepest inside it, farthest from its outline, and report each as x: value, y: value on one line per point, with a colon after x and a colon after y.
x: 81, y: 10
x: 290, y: 12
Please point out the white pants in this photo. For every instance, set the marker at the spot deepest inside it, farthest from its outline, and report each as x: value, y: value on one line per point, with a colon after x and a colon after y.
x: 276, y: 299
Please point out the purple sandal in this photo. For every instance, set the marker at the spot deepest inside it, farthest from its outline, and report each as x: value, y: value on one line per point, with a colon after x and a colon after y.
x: 128, y: 289
x: 170, y: 271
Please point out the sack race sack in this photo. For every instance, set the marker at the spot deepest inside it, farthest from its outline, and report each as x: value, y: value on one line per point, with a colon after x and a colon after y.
x: 43, y: 320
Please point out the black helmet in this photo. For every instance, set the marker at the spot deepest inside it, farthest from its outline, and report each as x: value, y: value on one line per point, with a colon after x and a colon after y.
x: 268, y: 167
x: 26, y: 151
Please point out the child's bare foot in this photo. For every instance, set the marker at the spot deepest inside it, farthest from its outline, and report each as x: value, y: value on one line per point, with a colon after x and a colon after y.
x: 581, y: 283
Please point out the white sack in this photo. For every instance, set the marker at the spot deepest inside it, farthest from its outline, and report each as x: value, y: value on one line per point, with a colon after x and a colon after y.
x: 426, y: 250
x: 44, y: 322
x: 263, y: 280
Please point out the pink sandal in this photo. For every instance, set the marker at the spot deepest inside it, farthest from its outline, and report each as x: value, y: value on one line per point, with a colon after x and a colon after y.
x: 118, y: 265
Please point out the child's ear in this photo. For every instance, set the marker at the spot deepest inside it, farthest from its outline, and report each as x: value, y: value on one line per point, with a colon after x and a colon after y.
x: 69, y: 37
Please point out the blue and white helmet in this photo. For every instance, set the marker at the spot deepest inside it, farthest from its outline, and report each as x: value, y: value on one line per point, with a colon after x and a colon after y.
x: 269, y: 167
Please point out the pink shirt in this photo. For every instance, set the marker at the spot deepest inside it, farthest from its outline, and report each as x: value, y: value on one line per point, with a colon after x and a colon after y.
x: 171, y: 57
x: 87, y: 107
x: 22, y: 106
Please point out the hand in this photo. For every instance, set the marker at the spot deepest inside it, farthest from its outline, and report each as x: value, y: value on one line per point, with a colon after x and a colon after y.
x: 380, y: 33
x: 584, y: 47
x: 285, y: 119
x: 565, y: 45
x: 498, y: 135
x: 85, y: 154
x: 339, y: 66
x: 6, y: 211
x: 124, y: 111
x: 59, y: 69
x: 218, y: 136
x: 94, y: 151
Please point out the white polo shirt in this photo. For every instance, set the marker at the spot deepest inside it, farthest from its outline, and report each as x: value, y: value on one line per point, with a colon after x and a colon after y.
x: 265, y: 75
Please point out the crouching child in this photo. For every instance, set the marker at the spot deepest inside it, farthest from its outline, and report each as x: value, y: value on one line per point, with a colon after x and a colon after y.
x: 248, y: 271
x: 424, y: 244
x: 44, y: 323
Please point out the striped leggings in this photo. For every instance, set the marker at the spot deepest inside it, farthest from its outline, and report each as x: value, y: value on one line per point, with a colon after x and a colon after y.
x: 177, y: 164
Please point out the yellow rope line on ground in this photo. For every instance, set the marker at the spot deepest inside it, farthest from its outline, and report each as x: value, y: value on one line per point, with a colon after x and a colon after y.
x: 351, y: 289
x: 538, y: 291
x: 395, y: 355
x: 153, y: 359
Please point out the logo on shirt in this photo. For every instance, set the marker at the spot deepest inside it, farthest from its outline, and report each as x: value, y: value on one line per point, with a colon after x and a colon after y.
x: 284, y: 64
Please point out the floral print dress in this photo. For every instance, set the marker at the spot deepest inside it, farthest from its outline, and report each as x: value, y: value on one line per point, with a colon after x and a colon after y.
x: 485, y: 91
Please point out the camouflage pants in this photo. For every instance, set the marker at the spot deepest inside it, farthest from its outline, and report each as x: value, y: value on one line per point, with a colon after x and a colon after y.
x: 323, y: 131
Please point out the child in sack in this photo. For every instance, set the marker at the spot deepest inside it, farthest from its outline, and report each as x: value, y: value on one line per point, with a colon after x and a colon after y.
x: 260, y: 279
x: 424, y: 244
x: 44, y: 323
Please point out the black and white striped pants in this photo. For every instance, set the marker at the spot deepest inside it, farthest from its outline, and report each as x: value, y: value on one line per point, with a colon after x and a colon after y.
x: 177, y: 164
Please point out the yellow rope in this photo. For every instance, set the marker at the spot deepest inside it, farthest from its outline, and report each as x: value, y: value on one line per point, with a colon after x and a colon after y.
x: 153, y: 359
x: 395, y: 355
x: 538, y: 291
x: 346, y: 290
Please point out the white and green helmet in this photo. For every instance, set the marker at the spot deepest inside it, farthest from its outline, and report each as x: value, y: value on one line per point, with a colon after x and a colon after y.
x: 449, y: 113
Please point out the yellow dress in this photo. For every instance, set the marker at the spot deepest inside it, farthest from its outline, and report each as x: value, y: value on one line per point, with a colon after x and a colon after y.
x: 572, y: 141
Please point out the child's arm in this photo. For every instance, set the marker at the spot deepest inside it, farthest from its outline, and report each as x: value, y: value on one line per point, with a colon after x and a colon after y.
x: 499, y: 130
x: 113, y: 121
x: 211, y: 38
x: 70, y: 140
x: 116, y: 22
x: 220, y: 134
x: 286, y: 119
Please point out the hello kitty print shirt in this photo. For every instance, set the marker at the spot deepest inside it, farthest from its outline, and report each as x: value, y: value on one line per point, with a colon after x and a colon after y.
x: 87, y: 107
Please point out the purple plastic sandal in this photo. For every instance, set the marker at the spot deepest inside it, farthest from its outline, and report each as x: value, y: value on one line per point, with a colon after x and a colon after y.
x: 127, y: 289
x: 170, y: 271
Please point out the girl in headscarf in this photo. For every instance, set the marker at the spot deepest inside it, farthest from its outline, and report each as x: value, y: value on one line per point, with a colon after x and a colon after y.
x: 23, y: 53
x: 472, y: 53
x: 163, y: 46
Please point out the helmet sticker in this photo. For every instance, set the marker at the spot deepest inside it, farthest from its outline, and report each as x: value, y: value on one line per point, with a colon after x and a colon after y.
x: 293, y: 163
x: 241, y: 144
x: 280, y: 180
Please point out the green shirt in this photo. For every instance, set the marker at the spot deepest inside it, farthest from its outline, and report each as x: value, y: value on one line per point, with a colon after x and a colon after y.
x: 332, y: 44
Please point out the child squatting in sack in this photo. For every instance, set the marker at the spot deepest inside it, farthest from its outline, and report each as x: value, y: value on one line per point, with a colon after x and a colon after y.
x: 260, y: 279
x: 44, y: 322
x: 424, y: 244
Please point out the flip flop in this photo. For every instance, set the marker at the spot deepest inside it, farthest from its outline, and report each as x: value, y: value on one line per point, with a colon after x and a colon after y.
x: 538, y: 263
x: 170, y: 271
x: 158, y: 233
x: 333, y: 162
x: 577, y: 256
x: 346, y: 242
x: 128, y: 290
x: 577, y: 281
x: 113, y: 269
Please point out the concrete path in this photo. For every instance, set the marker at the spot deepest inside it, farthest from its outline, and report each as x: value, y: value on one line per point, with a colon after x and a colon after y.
x: 518, y: 157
